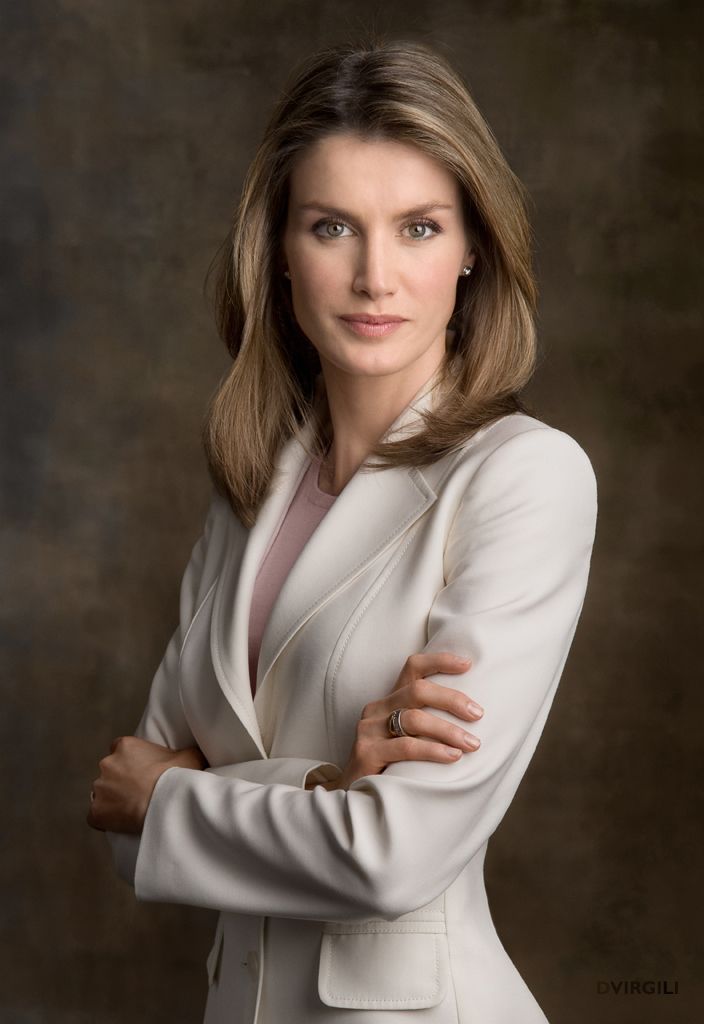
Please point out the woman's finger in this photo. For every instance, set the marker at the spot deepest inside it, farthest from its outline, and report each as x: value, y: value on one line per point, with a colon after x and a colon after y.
x: 114, y: 744
x: 421, y: 693
x: 427, y: 693
x: 409, y: 748
x: 426, y: 663
x: 424, y: 724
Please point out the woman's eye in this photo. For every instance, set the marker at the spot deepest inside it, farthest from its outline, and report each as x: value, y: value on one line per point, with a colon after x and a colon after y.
x: 330, y: 228
x: 419, y: 230
x: 425, y: 226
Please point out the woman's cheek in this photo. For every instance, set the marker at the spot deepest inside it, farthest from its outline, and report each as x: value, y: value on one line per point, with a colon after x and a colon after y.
x: 439, y: 294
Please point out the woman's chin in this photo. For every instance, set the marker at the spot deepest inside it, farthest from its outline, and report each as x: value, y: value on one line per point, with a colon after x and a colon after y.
x: 369, y: 368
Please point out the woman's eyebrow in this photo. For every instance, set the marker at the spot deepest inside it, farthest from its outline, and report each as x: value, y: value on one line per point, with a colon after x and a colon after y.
x: 336, y: 211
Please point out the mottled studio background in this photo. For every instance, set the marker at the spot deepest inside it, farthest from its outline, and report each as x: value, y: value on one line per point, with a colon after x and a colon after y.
x: 127, y: 127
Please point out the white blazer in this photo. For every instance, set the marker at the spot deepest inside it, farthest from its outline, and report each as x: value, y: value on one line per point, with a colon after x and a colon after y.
x: 366, y: 904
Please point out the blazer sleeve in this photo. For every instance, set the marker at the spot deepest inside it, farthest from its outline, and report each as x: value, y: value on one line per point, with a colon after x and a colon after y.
x: 517, y: 561
x: 164, y: 722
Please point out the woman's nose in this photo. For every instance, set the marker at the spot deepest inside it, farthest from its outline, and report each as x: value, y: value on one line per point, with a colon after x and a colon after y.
x: 375, y: 272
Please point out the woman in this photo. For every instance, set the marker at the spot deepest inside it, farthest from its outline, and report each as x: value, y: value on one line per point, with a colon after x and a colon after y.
x: 315, y: 761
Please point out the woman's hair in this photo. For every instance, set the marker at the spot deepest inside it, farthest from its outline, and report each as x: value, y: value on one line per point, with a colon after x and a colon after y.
x: 389, y: 90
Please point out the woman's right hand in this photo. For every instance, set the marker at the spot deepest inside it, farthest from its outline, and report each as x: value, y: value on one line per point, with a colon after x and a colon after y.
x: 429, y: 738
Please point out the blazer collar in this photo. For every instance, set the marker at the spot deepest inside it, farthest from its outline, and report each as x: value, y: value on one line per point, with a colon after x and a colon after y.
x: 366, y: 517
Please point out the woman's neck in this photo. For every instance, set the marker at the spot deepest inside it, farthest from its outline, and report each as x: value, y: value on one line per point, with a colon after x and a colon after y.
x: 361, y: 411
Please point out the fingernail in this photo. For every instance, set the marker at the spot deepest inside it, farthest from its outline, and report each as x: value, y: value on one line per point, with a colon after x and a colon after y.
x: 471, y: 742
x: 474, y: 708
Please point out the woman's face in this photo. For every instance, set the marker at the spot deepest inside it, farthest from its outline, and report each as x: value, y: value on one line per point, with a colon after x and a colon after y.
x: 376, y: 228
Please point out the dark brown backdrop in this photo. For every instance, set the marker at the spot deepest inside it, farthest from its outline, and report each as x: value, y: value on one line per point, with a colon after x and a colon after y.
x: 129, y: 126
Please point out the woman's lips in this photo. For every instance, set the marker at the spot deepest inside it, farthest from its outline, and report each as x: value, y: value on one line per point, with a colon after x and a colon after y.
x: 370, y: 327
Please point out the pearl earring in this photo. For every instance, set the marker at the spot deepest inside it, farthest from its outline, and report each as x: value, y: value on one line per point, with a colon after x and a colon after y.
x: 286, y: 274
x: 466, y: 271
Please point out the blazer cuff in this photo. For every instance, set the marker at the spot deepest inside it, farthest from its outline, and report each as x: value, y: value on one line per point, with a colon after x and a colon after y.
x: 291, y: 771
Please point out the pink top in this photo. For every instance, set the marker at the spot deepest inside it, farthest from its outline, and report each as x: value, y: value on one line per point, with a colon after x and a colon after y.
x: 308, y: 506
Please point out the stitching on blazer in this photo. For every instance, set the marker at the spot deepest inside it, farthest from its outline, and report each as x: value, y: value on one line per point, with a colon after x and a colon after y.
x: 422, y: 926
x: 373, y: 594
x: 450, y: 968
x: 195, y: 616
x: 368, y: 556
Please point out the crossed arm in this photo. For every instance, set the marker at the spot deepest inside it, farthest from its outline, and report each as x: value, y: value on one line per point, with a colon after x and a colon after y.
x: 251, y: 838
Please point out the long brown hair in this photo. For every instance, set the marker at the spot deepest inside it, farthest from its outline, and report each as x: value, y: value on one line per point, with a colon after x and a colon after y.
x: 400, y: 90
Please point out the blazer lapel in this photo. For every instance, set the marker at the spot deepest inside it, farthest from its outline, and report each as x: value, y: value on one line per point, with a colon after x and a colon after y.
x: 229, y: 629
x: 368, y: 515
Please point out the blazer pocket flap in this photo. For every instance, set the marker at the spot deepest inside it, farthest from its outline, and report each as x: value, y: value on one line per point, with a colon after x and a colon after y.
x: 385, y: 967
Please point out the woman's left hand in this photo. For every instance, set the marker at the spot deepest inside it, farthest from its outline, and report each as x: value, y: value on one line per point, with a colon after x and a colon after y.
x: 128, y: 774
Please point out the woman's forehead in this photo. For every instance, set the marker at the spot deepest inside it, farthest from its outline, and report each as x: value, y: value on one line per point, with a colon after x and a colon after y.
x: 375, y: 168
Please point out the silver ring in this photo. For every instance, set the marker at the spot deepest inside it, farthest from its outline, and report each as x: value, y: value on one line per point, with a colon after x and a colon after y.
x: 394, y: 723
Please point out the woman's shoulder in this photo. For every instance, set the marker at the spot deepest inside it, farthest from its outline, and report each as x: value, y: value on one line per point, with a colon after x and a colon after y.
x: 519, y: 475
x: 520, y: 447
x: 522, y: 431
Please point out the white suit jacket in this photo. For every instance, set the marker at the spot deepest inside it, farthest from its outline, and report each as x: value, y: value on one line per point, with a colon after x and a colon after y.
x: 366, y: 904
